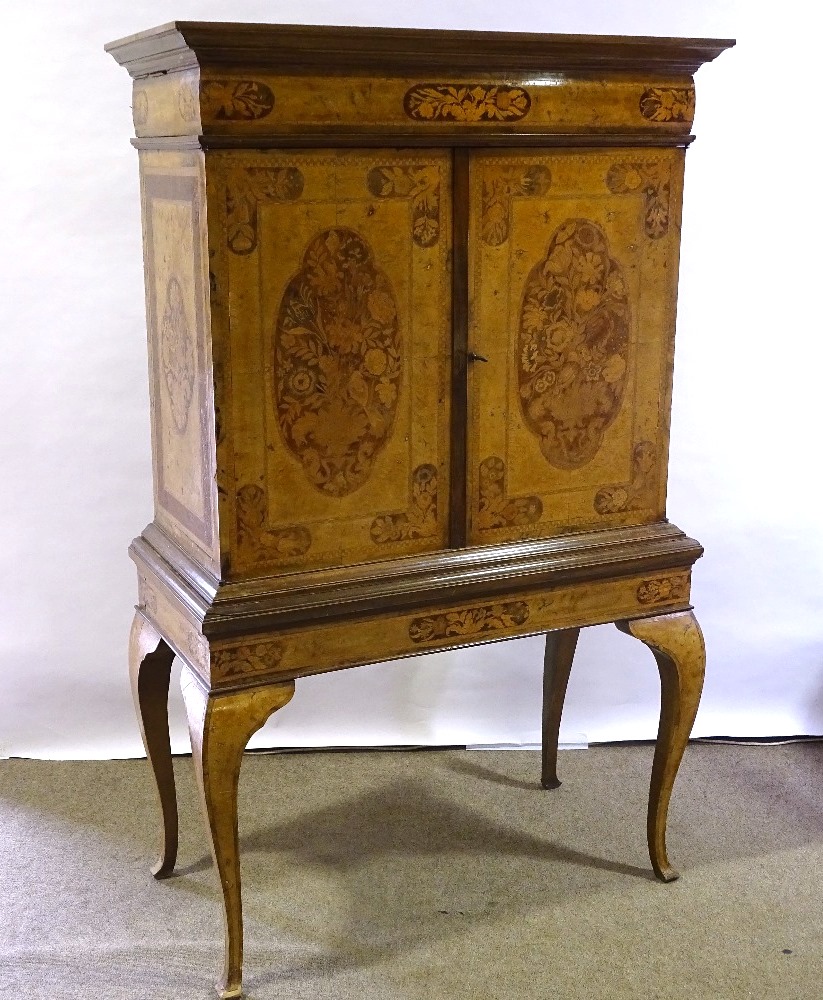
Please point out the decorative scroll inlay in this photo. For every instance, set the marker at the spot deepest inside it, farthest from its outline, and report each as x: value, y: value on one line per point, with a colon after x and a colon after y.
x: 260, y: 542
x: 337, y: 362
x: 496, y: 510
x: 419, y: 183
x: 669, y: 588
x: 177, y: 354
x: 616, y: 499
x: 667, y: 104
x: 420, y: 521
x: 236, y: 100
x: 573, y: 344
x: 649, y: 180
x: 251, y: 658
x: 468, y: 102
x: 470, y: 621
x: 140, y: 108
x: 245, y: 190
x: 501, y: 184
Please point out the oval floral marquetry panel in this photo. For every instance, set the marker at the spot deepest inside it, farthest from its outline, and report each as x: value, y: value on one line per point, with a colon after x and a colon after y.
x: 468, y: 102
x: 573, y: 344
x: 236, y: 100
x: 337, y: 361
x: 177, y: 352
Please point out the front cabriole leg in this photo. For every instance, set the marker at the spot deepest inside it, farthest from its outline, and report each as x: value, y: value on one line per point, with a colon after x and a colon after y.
x: 150, y: 662
x: 221, y: 725
x: 677, y: 644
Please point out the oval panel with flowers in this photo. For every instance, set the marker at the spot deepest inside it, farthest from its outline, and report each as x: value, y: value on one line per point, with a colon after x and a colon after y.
x: 573, y: 344
x: 337, y: 361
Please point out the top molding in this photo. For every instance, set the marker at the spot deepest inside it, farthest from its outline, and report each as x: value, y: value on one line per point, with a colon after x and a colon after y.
x: 328, y: 50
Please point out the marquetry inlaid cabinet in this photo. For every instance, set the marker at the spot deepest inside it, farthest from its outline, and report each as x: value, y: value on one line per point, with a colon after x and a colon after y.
x: 411, y: 306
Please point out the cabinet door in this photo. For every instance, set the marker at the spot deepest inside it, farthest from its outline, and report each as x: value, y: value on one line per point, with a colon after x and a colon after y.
x: 572, y: 278
x: 332, y: 277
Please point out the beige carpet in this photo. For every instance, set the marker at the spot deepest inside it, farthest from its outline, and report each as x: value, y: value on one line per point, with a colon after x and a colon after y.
x: 424, y: 876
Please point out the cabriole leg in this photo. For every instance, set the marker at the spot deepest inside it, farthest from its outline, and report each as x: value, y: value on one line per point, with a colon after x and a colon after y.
x: 221, y: 725
x: 677, y: 644
x: 150, y: 662
x: 557, y: 665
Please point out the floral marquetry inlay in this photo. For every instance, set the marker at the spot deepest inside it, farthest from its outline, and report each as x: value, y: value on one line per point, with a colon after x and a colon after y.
x: 236, y: 100
x: 573, y: 344
x: 470, y: 102
x: 664, y: 590
x: 637, y: 493
x: 260, y: 542
x: 469, y: 621
x: 668, y: 104
x: 420, y: 521
x: 651, y: 180
x: 245, y: 190
x: 501, y: 183
x: 250, y: 658
x: 495, y: 509
x: 338, y: 362
x: 177, y: 349
x: 419, y: 183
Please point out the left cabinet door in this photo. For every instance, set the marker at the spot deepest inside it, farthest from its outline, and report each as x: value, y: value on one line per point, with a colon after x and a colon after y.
x: 331, y: 324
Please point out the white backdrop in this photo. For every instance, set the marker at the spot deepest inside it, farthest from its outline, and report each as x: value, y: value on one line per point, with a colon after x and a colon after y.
x: 746, y: 424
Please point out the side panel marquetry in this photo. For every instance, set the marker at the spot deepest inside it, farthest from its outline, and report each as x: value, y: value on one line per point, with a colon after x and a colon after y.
x: 331, y: 287
x: 318, y: 648
x: 257, y: 102
x: 573, y: 271
x: 177, y: 309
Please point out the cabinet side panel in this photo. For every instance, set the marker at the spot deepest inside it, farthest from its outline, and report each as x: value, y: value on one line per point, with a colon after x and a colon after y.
x: 180, y: 369
x: 332, y: 271
x: 573, y: 290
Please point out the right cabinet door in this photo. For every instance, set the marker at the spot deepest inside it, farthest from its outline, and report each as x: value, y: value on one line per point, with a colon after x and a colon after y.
x: 573, y: 259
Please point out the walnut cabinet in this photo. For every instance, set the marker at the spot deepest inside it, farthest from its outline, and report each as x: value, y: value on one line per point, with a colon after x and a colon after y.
x: 411, y: 305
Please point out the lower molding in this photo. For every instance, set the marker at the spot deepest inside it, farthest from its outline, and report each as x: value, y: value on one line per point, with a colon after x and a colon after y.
x: 234, y: 634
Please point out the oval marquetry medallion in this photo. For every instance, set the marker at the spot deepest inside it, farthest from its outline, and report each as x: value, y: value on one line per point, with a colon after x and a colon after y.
x: 338, y: 361
x: 573, y: 344
x: 177, y: 351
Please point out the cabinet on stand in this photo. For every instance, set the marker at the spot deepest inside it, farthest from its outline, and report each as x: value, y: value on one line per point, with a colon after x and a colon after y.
x: 411, y: 305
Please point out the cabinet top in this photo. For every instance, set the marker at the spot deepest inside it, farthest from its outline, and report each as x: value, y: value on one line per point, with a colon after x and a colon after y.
x: 328, y: 50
